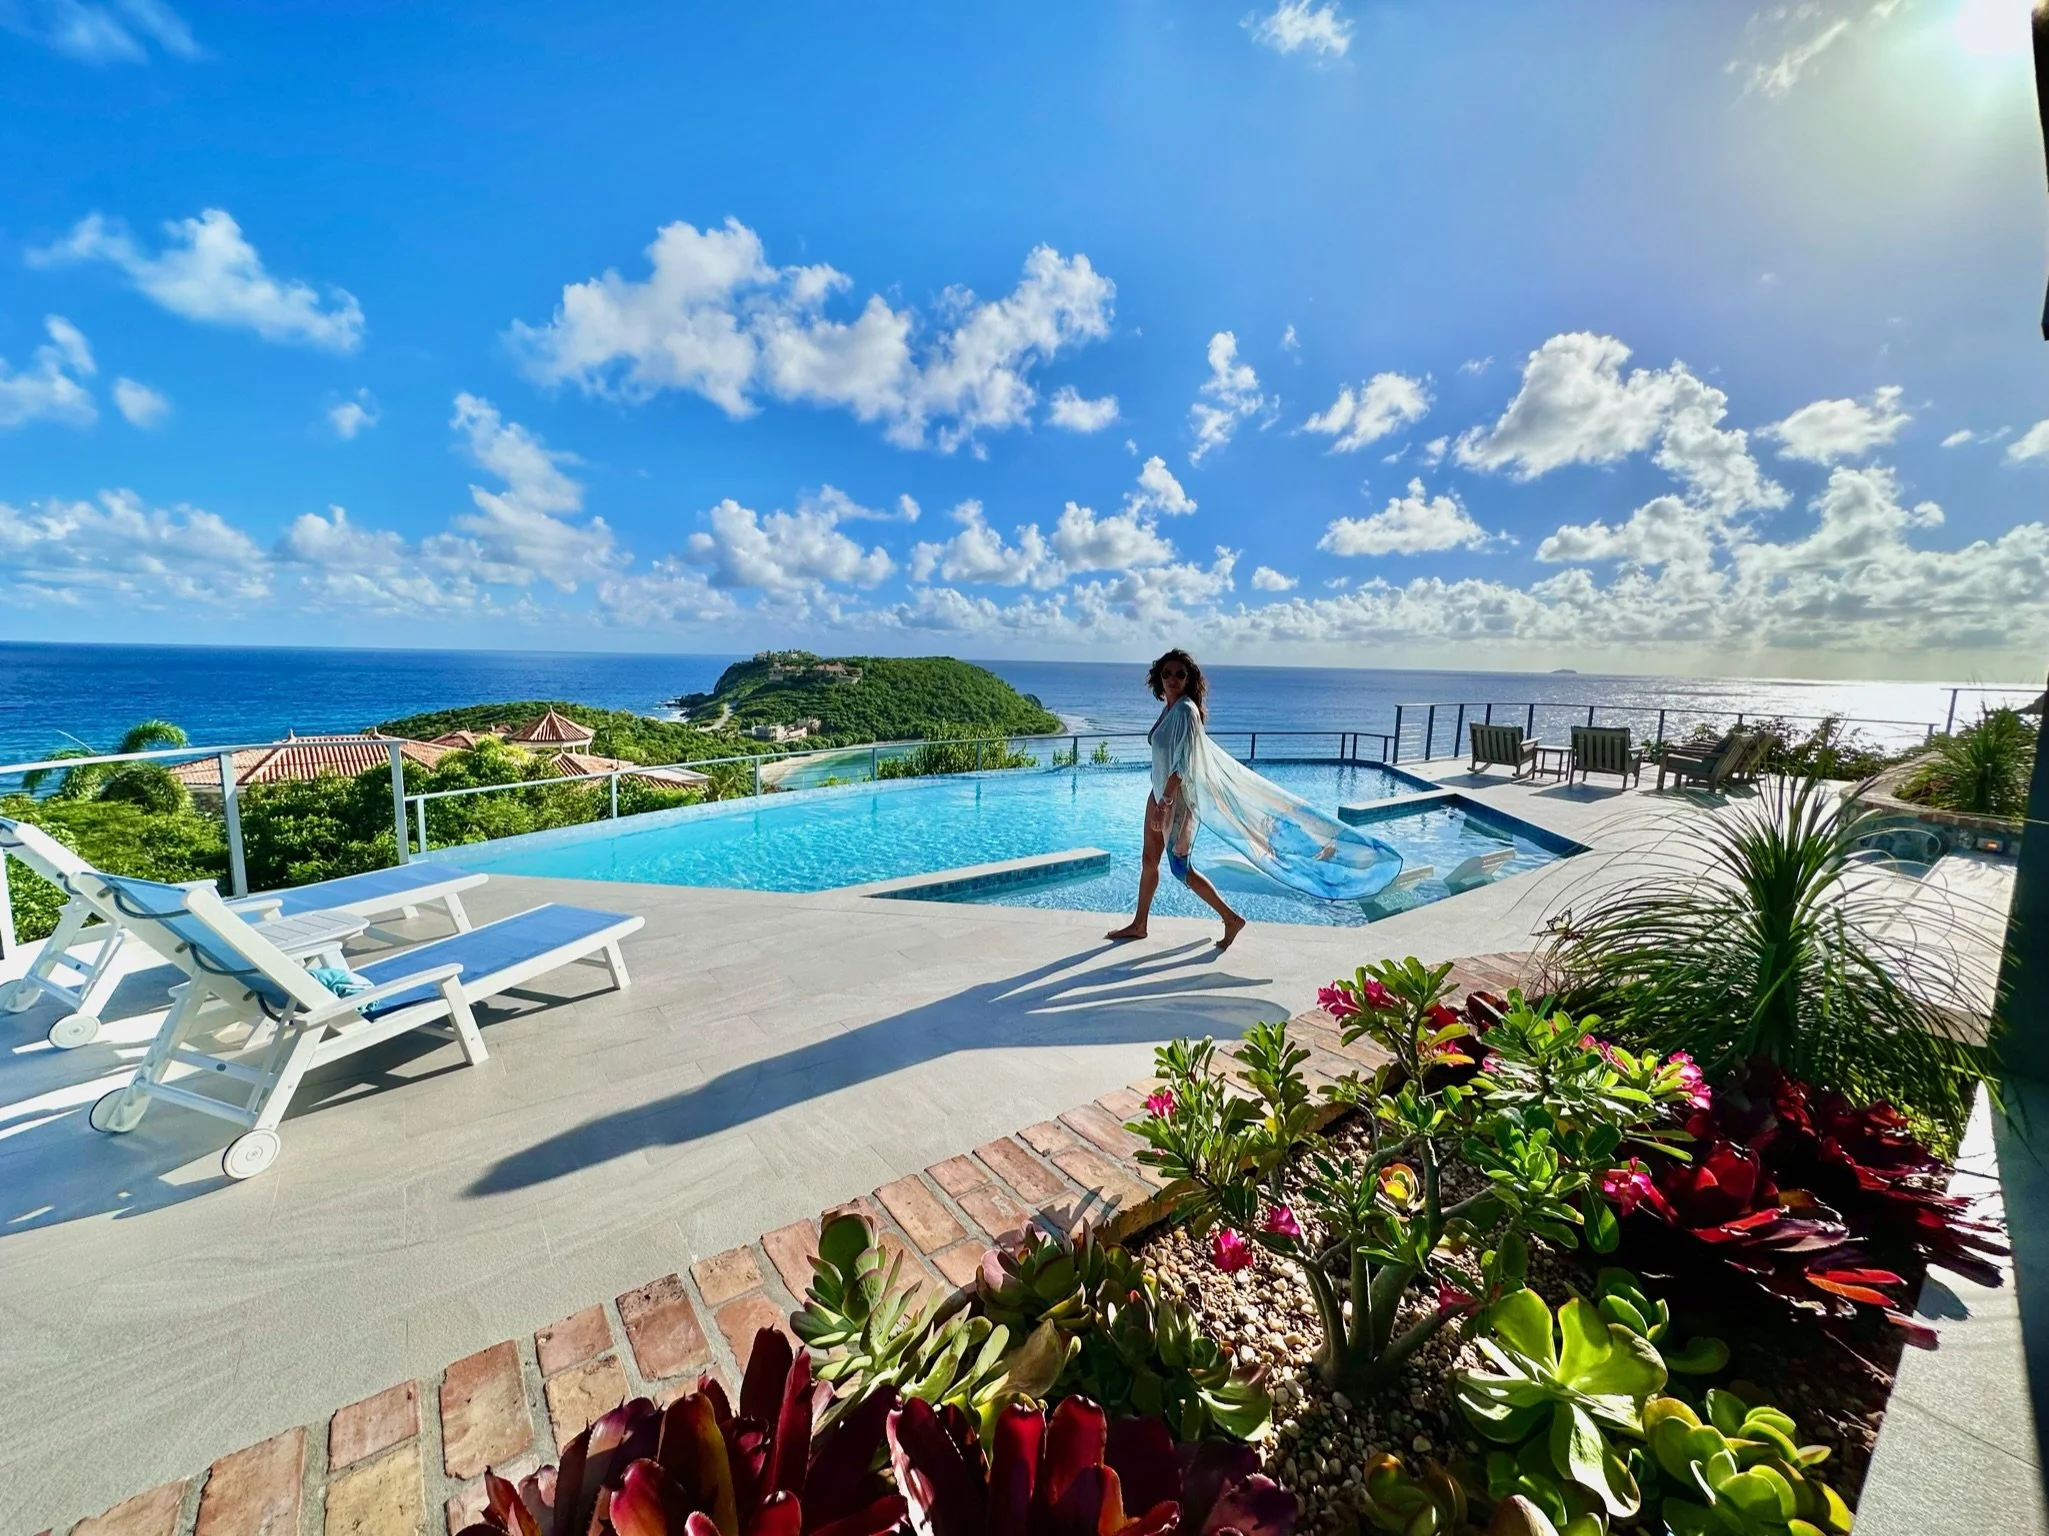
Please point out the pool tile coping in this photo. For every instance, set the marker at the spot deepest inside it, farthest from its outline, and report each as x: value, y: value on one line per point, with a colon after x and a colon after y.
x: 409, y: 1459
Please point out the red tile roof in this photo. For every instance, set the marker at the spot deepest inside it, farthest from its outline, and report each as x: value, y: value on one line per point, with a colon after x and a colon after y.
x: 566, y: 763
x: 307, y: 758
x: 554, y: 729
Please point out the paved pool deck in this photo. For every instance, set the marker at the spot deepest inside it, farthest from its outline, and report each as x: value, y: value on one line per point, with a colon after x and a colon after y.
x: 776, y: 1054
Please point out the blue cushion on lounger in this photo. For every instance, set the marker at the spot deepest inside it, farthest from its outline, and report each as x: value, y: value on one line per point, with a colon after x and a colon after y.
x: 484, y: 952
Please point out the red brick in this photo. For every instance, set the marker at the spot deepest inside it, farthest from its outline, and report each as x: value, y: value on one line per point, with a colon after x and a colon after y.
x: 1020, y: 1170
x: 255, y: 1492
x: 740, y: 1320
x: 994, y: 1212
x: 1093, y: 1171
x: 484, y: 1418
x: 1047, y: 1137
x: 725, y: 1275
x: 860, y: 1205
x: 1123, y: 1103
x: 957, y: 1175
x: 466, y: 1507
x: 961, y: 1262
x: 573, y: 1340
x: 147, y: 1514
x: 918, y: 1211
x: 790, y: 1249
x: 579, y: 1396
x: 1105, y: 1130
x: 662, y: 1326
x: 381, y: 1498
x: 376, y: 1423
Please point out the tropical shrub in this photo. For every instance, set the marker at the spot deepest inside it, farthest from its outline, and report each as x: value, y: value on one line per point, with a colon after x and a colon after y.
x: 1749, y: 937
x: 1982, y: 770
x: 1077, y: 1474
x: 953, y: 756
x: 117, y: 836
x: 701, y: 1468
x: 1550, y: 1120
x: 87, y: 781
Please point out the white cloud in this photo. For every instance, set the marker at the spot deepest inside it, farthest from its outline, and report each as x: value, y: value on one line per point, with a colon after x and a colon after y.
x: 1475, y: 366
x: 1831, y: 430
x: 1385, y: 403
x: 2031, y: 444
x: 1116, y: 542
x: 121, y: 32
x: 1783, y: 42
x: 209, y: 272
x: 1158, y: 491
x: 1711, y: 461
x: 667, y: 593
x: 1434, y: 451
x: 143, y: 406
x: 714, y: 318
x: 48, y: 390
x: 117, y: 548
x: 340, y: 564
x: 1155, y: 595
x: 1073, y: 412
x: 1229, y: 395
x: 353, y: 416
x: 1414, y: 524
x: 1662, y: 531
x: 1297, y: 24
x: 1959, y: 437
x: 978, y: 554
x: 523, y: 533
x: 837, y: 505
x: 790, y: 553
x: 1290, y: 342
x: 1267, y: 579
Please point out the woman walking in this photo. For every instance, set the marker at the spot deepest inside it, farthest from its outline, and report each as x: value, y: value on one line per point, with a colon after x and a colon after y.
x: 1283, y: 837
x: 1170, y: 817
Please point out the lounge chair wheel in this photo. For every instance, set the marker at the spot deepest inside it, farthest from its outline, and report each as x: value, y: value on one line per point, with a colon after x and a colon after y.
x: 250, y: 1153
x: 118, y: 1111
x: 17, y: 998
x: 74, y: 1030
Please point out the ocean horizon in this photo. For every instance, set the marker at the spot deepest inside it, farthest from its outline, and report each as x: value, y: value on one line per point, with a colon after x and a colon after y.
x: 55, y: 695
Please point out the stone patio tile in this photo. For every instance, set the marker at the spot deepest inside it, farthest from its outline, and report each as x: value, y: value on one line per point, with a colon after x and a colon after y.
x: 154, y: 1513
x: 381, y: 1498
x: 484, y: 1418
x: 740, y: 1320
x: 1020, y: 1170
x: 960, y: 1263
x: 578, y: 1396
x: 917, y: 1210
x: 575, y: 1339
x: 376, y: 1423
x: 663, y: 1329
x: 1098, y: 1126
x: 255, y: 1491
x: 1123, y: 1103
x: 957, y: 1175
x: 725, y: 1275
x: 790, y: 1249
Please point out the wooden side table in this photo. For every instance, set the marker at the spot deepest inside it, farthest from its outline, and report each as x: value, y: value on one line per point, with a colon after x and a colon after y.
x: 1554, y: 761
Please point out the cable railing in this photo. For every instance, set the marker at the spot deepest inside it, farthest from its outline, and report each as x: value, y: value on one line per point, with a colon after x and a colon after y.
x: 1426, y: 730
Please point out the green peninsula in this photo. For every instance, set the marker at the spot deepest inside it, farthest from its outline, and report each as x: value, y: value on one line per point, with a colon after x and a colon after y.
x: 850, y: 699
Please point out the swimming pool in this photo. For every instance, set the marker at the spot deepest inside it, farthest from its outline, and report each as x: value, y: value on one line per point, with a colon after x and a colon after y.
x: 820, y: 839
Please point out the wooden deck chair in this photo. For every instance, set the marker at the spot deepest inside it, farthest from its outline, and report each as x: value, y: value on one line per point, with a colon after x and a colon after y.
x: 1604, y: 749
x: 1709, y: 765
x: 1480, y: 869
x: 75, y: 966
x: 1503, y: 746
x: 295, y: 1023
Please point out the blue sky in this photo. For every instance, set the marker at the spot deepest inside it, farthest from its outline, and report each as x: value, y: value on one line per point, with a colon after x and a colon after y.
x: 1651, y: 338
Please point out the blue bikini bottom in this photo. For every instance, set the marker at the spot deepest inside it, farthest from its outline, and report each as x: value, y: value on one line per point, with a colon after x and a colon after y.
x: 1178, y: 864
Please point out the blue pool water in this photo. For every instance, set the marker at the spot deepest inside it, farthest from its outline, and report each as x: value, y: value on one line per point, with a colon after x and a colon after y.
x: 851, y: 835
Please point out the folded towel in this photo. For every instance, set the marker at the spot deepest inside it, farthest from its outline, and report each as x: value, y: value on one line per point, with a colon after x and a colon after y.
x: 342, y: 983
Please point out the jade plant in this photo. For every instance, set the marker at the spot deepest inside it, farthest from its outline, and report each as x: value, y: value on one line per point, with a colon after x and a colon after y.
x: 1398, y: 1501
x: 1621, y: 1298
x: 1738, y: 1472
x: 1550, y: 1117
x: 1136, y: 1351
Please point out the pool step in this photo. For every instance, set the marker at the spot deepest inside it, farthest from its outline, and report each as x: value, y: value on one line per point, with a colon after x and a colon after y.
x: 974, y: 879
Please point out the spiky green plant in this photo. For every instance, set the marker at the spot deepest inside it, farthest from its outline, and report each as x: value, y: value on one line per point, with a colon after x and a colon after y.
x: 1756, y: 933
x: 1982, y: 771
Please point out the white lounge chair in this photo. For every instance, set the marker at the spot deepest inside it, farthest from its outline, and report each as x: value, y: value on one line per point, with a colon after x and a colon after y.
x: 1390, y: 898
x: 236, y: 976
x: 1478, y: 870
x: 76, y: 963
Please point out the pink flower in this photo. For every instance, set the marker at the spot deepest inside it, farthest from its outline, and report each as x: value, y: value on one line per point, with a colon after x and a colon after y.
x: 1490, y: 1062
x: 1692, y: 1081
x: 1451, y: 1299
x: 1228, y: 1251
x: 1160, y: 1103
x: 1281, y: 1222
x: 1377, y: 996
x: 1336, y: 1002
x: 1440, y: 1017
x: 1589, y: 1043
x: 1626, y: 1184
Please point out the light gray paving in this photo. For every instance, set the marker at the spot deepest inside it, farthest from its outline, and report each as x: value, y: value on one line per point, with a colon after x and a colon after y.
x: 775, y: 1054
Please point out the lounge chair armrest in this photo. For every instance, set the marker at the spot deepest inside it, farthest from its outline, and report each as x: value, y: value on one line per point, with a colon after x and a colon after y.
x: 433, y: 976
x: 255, y: 908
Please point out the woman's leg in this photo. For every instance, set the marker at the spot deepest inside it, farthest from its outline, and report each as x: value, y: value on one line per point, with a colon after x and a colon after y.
x: 1148, y: 872
x: 1233, y: 923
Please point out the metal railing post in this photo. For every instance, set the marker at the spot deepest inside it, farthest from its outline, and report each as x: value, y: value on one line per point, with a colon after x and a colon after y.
x: 1950, y: 724
x: 1253, y: 755
x: 1661, y: 727
x: 1490, y: 716
x: 1530, y: 725
x: 978, y: 757
x: 1396, y: 755
x: 1590, y: 717
x: 874, y: 763
x: 1458, y: 732
x: 757, y: 775
x: 1430, y: 733
x: 231, y: 813
x: 1077, y: 751
x: 615, y: 796
x: 420, y: 816
x: 7, y: 940
x: 398, y: 802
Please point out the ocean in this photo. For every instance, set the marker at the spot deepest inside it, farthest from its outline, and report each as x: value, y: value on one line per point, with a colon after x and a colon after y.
x: 53, y: 696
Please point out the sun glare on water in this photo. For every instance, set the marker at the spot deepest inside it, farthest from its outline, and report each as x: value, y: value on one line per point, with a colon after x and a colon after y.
x: 1993, y: 28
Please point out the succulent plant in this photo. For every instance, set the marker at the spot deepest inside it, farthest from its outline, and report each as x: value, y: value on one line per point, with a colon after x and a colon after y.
x: 1137, y: 1351
x: 1077, y: 1474
x: 1403, y: 1504
x: 697, y: 1468
x: 1517, y: 1516
x: 1739, y: 1473
x: 1622, y: 1299
x: 1572, y: 1387
x: 872, y: 1334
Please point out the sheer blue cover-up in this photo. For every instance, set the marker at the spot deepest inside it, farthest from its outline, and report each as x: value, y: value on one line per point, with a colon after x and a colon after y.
x: 1281, y: 836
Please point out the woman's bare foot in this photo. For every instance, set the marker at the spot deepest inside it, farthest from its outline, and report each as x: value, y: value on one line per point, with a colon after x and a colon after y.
x: 1233, y: 926
x: 1128, y: 931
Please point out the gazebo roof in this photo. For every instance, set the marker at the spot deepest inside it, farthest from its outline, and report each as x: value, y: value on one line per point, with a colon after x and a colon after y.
x: 553, y: 729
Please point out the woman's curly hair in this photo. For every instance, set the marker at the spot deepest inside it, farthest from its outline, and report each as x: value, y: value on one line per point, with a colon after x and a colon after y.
x: 1197, y: 687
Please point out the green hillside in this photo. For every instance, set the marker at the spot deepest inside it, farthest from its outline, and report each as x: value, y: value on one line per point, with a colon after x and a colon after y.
x: 619, y: 732
x: 872, y: 698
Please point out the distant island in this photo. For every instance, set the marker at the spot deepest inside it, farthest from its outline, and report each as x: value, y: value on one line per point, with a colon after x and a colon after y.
x: 1565, y: 671
x: 844, y: 700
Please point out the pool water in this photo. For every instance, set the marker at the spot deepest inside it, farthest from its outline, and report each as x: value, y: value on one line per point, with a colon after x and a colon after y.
x: 851, y: 835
